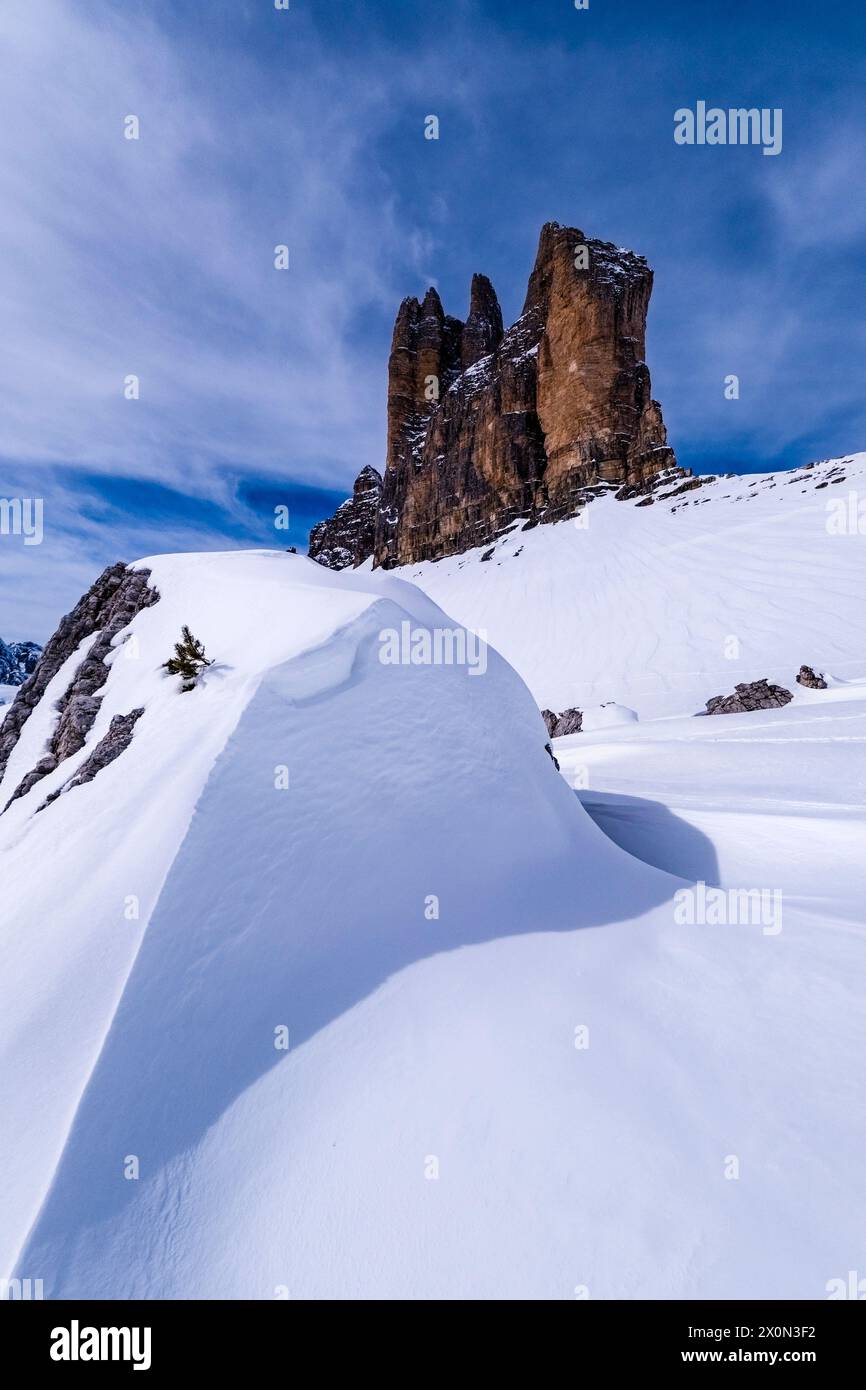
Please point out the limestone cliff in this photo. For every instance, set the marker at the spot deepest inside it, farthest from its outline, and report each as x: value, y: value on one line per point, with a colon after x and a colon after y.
x: 487, y: 426
x: 347, y: 537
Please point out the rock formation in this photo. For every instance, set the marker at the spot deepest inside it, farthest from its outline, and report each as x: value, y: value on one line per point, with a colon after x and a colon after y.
x: 748, y: 697
x: 487, y: 426
x: 109, y: 747
x: 813, y: 680
x: 553, y: 758
x: 109, y: 605
x: 347, y: 538
x: 559, y: 725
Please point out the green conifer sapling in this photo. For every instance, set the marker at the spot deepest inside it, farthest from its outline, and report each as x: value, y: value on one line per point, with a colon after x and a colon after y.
x: 188, y: 661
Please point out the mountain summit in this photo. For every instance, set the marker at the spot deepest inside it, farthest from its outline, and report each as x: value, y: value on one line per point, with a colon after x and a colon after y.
x: 17, y: 661
x: 486, y: 426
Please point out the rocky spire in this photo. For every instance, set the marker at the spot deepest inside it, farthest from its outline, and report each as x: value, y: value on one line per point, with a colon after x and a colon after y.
x: 482, y: 332
x: 485, y: 427
x: 551, y: 242
x: 347, y: 537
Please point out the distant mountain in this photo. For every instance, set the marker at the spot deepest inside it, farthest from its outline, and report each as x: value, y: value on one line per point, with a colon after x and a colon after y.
x: 17, y: 661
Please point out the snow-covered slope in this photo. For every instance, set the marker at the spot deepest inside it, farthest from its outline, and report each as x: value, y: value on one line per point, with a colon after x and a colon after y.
x: 776, y: 797
x: 512, y: 1070
x: 660, y: 607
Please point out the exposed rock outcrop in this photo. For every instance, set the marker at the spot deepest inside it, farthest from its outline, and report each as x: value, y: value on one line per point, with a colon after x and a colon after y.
x: 108, y: 606
x: 109, y: 747
x: 482, y: 331
x: 813, y: 680
x: 558, y: 725
x: 347, y: 538
x: 748, y: 697
x: 486, y: 426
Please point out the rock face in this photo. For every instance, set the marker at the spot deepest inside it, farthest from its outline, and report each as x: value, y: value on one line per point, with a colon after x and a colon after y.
x: 486, y: 426
x: 558, y: 725
x: 347, y: 538
x: 109, y: 747
x: 108, y: 606
x: 811, y: 679
x: 17, y: 661
x: 748, y: 697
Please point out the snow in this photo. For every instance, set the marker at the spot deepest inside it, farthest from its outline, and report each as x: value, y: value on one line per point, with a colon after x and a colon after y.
x: 240, y: 606
x: 776, y: 797
x: 660, y: 608
x: 607, y: 716
x: 436, y: 916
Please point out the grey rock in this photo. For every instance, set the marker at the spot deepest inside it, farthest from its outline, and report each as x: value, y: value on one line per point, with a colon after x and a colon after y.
x: 749, y: 697
x: 46, y: 764
x: 105, y: 610
x: 75, y: 723
x: 813, y: 680
x: 109, y: 747
x: 559, y: 725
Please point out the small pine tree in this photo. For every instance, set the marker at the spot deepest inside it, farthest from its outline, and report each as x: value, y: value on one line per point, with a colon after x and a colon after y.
x: 188, y: 661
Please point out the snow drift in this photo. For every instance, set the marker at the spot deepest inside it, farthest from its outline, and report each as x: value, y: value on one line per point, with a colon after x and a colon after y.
x: 510, y: 1072
x: 661, y: 607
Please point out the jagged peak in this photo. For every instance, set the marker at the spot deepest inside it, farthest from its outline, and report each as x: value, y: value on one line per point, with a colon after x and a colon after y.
x: 431, y: 305
x: 483, y: 329
x: 406, y: 322
x: 369, y: 477
x: 482, y: 296
x: 609, y: 265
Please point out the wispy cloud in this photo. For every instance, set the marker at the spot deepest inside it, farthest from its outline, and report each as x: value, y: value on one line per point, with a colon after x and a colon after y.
x: 155, y: 256
x: 257, y: 128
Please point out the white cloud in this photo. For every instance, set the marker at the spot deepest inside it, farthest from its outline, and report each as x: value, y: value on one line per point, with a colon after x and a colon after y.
x: 155, y: 257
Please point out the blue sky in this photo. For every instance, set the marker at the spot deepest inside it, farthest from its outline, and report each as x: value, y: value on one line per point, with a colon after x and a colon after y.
x: 261, y: 127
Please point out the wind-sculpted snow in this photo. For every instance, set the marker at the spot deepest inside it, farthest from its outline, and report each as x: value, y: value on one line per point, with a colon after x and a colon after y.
x: 298, y: 905
x: 661, y: 608
x: 353, y: 999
